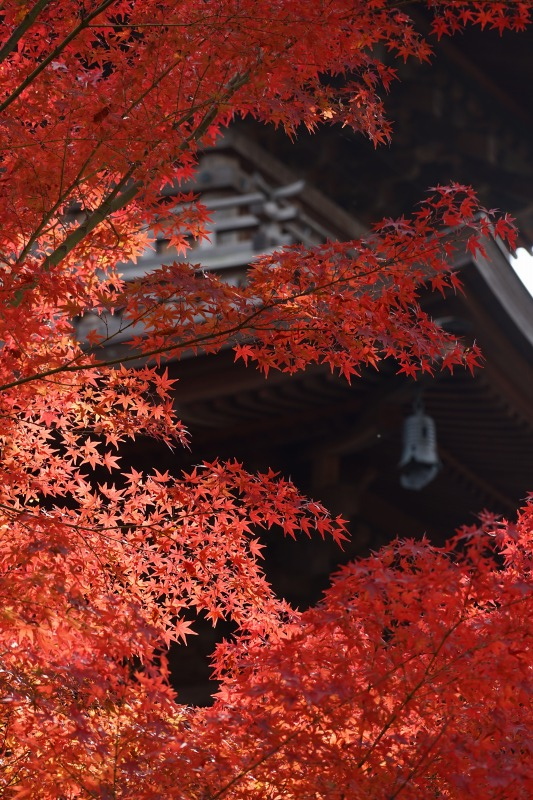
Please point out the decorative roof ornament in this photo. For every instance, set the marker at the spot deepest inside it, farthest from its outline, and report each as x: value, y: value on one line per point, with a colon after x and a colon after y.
x: 419, y: 463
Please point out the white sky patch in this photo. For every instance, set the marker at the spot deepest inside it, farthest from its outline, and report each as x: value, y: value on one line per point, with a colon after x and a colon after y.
x: 523, y: 266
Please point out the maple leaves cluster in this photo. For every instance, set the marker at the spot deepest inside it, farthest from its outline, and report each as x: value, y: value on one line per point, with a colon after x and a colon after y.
x: 352, y: 304
x: 104, y: 104
x: 90, y: 596
x: 411, y: 678
x: 498, y: 15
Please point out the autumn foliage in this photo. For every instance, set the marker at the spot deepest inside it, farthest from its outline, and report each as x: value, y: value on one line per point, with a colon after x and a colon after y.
x: 412, y: 678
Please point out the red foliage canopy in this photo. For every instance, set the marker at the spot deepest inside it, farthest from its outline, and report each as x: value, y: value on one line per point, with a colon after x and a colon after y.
x: 413, y: 675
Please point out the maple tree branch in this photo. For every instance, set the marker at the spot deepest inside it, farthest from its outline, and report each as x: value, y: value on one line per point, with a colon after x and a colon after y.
x: 54, y: 54
x: 409, y: 696
x: 21, y: 29
x: 235, y: 83
x: 73, y: 367
x: 407, y: 699
x: 242, y: 774
x: 28, y: 512
x: 101, y: 213
x: 17, y: 513
x: 197, y: 341
x: 79, y: 781
x: 166, y: 72
x: 116, y: 750
x: 115, y: 200
x: 420, y: 761
x: 76, y: 183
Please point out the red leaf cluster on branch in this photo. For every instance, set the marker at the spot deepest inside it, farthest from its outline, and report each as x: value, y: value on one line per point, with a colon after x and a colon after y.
x: 394, y: 684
